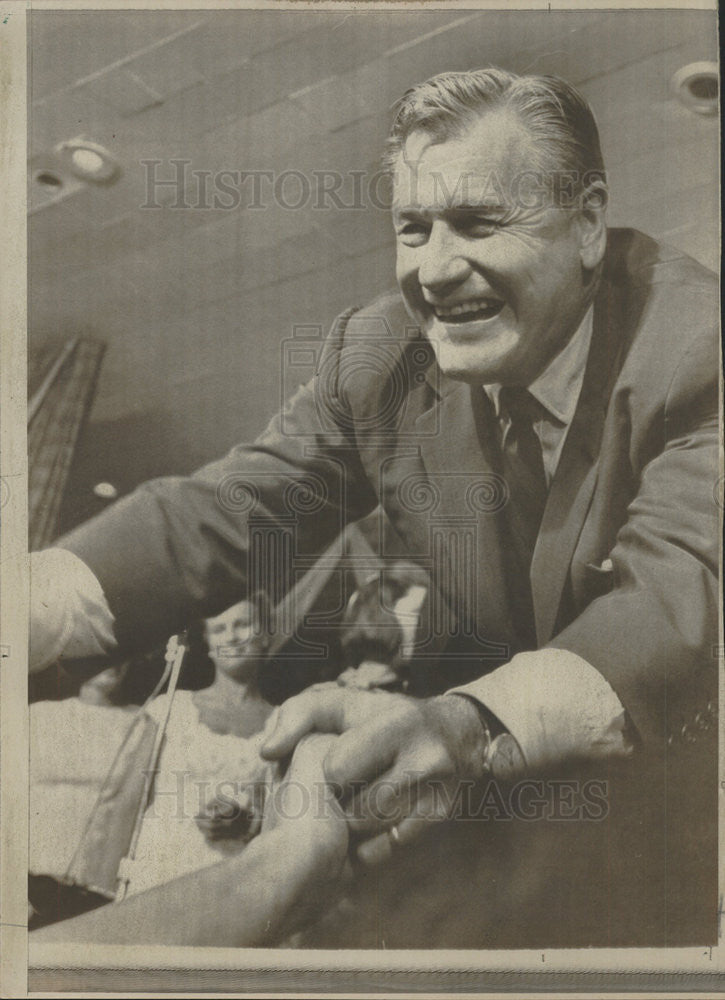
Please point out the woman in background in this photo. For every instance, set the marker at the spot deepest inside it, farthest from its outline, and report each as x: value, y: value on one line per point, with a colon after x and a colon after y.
x: 237, y: 642
x: 208, y: 788
x: 208, y: 792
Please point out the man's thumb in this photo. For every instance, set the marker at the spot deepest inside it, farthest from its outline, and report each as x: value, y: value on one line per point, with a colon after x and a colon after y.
x: 283, y: 732
x: 316, y: 710
x: 273, y: 738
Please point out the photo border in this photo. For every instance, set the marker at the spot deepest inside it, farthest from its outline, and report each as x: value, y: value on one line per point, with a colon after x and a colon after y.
x: 75, y: 970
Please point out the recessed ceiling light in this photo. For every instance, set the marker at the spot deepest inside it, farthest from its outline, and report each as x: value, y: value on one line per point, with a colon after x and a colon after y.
x: 89, y: 161
x: 697, y: 86
x: 106, y: 491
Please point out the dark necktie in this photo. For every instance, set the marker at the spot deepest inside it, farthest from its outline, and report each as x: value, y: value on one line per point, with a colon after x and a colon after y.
x: 523, y: 470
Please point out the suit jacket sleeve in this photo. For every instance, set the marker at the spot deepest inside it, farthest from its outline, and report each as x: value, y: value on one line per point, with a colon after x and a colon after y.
x: 178, y: 548
x: 654, y: 635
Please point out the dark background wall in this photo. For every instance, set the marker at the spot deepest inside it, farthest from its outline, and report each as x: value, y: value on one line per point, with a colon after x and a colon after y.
x: 195, y: 302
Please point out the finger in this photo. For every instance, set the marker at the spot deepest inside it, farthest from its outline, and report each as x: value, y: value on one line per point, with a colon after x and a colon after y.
x: 397, y: 778
x: 304, y: 788
x: 308, y: 758
x: 363, y: 754
x: 381, y: 805
x: 271, y: 723
x: 307, y: 805
x: 324, y: 708
x: 376, y: 851
x: 381, y: 848
x: 312, y: 711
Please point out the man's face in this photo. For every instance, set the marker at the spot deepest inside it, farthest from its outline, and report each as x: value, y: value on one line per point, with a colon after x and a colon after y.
x: 496, y: 286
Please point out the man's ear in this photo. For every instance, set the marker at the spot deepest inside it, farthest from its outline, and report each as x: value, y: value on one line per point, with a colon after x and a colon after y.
x: 592, y: 223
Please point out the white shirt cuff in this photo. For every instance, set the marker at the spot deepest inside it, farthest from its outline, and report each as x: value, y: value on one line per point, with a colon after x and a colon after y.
x: 556, y: 705
x: 69, y: 615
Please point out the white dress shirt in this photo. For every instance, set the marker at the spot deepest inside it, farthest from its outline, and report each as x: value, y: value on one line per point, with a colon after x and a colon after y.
x: 557, y: 389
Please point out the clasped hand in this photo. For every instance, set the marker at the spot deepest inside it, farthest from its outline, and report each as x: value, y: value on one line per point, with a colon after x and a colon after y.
x: 397, y: 761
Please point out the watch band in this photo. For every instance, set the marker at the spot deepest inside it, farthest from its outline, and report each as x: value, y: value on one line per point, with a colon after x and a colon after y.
x: 502, y: 757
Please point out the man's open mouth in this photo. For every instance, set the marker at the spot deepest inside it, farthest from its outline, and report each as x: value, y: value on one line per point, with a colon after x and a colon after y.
x: 467, y: 312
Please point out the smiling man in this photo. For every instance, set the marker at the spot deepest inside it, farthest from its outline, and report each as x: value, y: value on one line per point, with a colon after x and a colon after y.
x: 498, y: 284
x: 536, y: 412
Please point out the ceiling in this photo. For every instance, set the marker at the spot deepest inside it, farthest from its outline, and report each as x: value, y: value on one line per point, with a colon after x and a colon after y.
x: 182, y: 296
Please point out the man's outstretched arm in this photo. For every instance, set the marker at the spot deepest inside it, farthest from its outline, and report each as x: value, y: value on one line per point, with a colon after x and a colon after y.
x: 184, y: 547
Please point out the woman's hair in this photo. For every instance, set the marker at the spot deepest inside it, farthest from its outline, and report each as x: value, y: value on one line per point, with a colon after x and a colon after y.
x: 555, y: 115
x: 371, y: 630
x: 198, y: 670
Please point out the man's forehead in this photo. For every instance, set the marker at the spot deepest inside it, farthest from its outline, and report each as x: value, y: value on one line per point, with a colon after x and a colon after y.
x: 473, y: 168
x: 461, y: 190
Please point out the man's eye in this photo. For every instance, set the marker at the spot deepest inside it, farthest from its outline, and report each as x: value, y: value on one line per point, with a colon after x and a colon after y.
x: 413, y: 234
x: 480, y: 226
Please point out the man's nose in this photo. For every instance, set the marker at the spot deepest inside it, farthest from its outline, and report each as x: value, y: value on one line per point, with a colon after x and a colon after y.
x: 444, y: 265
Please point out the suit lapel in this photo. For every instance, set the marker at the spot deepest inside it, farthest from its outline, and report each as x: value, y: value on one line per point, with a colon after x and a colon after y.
x: 576, y: 475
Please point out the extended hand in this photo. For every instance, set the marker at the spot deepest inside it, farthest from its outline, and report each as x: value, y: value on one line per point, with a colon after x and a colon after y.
x: 399, y: 761
x: 304, y: 803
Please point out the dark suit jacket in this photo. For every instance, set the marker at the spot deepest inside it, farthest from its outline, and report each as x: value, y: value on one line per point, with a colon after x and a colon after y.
x: 626, y: 566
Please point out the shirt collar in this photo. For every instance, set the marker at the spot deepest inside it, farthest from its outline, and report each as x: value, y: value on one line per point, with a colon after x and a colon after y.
x: 559, y: 385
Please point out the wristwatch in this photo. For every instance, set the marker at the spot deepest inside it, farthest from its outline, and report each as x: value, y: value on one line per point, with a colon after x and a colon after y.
x: 503, y: 758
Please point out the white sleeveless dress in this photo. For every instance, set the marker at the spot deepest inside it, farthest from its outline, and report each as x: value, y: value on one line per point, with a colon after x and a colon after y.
x: 196, y: 765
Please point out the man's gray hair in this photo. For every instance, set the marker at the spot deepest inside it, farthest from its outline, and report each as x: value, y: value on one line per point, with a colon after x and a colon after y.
x: 557, y: 117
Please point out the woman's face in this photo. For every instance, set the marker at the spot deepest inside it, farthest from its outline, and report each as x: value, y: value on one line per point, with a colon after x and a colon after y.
x: 230, y: 637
